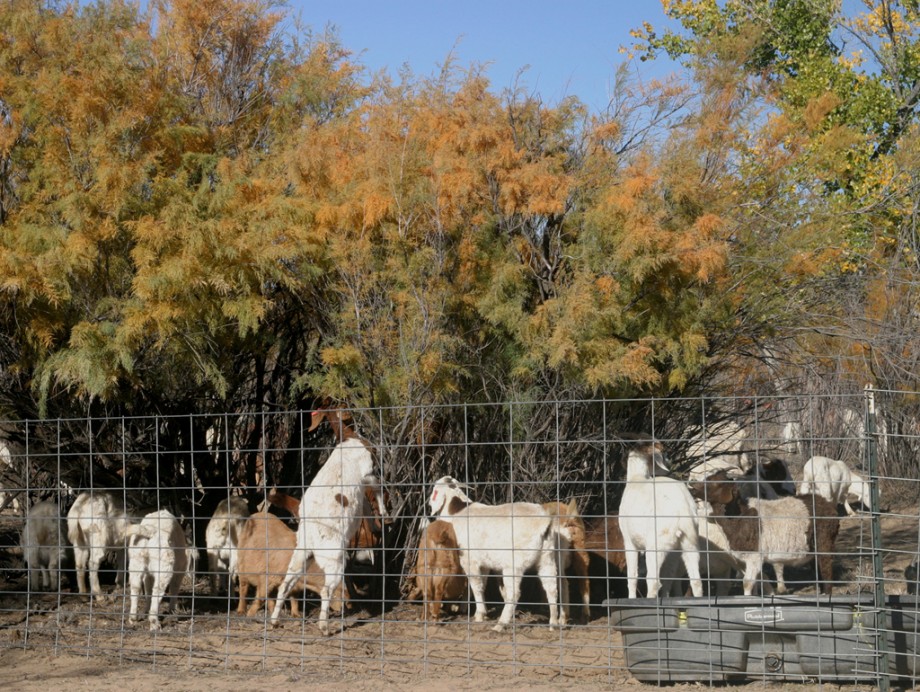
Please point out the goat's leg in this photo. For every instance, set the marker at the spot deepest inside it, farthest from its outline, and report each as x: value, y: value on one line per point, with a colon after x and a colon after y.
x: 691, y: 556
x: 81, y: 560
x: 653, y: 561
x: 96, y: 555
x: 243, y: 589
x: 632, y: 567
x: 34, y: 577
x: 156, y: 590
x: 54, y: 570
x: 295, y: 603
x: 564, y: 558
x: 580, y: 563
x: 215, y: 573
x: 296, y: 567
x: 825, y: 573
x: 752, y: 570
x: 512, y: 587
x: 332, y: 563
x: 175, y: 584
x: 135, y: 586
x: 478, y: 587
x: 779, y: 567
x: 120, y: 567
x: 549, y: 578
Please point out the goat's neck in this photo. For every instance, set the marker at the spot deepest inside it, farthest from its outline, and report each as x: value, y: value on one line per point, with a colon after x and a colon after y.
x: 344, y: 431
x: 637, y: 467
x: 456, y: 505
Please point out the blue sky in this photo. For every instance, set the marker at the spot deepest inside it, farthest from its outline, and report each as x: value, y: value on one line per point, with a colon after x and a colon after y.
x: 571, y: 48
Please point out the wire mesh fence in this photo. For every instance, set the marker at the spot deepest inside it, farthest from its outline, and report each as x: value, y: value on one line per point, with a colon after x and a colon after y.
x: 467, y: 503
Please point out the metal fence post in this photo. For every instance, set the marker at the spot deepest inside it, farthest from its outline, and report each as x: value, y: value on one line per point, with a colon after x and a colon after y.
x: 878, y: 573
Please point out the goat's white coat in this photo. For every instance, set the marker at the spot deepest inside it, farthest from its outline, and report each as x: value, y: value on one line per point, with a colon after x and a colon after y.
x: 223, y: 526
x: 43, y: 541
x: 657, y: 515
x: 833, y: 480
x: 329, y: 516
x: 158, y: 560
x: 96, y: 524
x: 734, y: 464
x: 783, y: 540
x: 509, y: 538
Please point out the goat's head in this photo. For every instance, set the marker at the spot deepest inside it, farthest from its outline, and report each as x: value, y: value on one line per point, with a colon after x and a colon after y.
x: 379, y: 503
x: 719, y: 488
x: 445, y: 490
x: 339, y: 419
x: 647, y: 455
x: 775, y: 472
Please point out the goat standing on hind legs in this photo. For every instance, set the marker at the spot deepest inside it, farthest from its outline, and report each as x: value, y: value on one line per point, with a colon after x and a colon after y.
x: 657, y: 516
x: 329, y: 517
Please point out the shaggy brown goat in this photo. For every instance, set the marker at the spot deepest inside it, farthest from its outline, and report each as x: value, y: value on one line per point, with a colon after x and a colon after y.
x: 437, y: 573
x: 787, y: 531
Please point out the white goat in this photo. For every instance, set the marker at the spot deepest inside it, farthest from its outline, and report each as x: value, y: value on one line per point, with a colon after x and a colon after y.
x: 835, y: 482
x: 97, y: 524
x: 510, y: 538
x: 42, y: 543
x: 158, y: 560
x: 657, y: 516
x: 329, y: 517
x: 225, y: 523
x: 735, y: 464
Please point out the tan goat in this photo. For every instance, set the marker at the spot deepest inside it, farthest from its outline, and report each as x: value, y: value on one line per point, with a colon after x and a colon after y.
x: 264, y: 548
x: 574, y: 558
x: 437, y: 574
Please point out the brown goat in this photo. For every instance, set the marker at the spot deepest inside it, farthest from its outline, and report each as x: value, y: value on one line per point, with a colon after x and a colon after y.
x: 437, y: 573
x: 264, y: 548
x: 574, y: 559
x: 787, y: 531
x: 606, y: 550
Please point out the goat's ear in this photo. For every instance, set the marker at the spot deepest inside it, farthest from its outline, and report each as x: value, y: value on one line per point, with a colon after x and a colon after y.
x: 572, y: 506
x: 315, y: 419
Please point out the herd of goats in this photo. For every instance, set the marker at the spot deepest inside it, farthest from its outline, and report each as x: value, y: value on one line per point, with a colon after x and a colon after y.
x: 722, y: 523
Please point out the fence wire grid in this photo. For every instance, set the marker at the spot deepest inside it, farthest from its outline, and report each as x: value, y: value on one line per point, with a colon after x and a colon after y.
x: 204, y: 505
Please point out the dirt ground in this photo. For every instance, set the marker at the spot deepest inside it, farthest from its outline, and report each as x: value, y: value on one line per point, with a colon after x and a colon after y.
x: 53, y: 642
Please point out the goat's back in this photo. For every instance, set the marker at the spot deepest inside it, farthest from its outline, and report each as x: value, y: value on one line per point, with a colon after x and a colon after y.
x: 829, y: 478
x: 159, y: 543
x: 98, y: 512
x: 337, y: 490
x: 784, y: 527
x: 264, y: 549
x: 496, y: 536
x: 657, y: 508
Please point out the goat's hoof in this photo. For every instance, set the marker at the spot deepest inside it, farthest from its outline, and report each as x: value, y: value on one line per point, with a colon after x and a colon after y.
x: 276, y: 624
x: 155, y: 626
x: 132, y: 622
x: 498, y: 628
